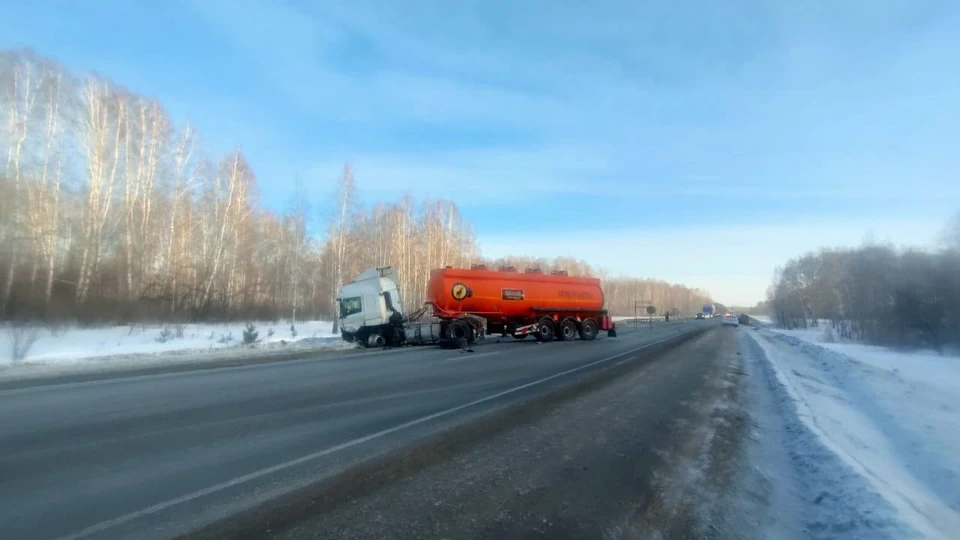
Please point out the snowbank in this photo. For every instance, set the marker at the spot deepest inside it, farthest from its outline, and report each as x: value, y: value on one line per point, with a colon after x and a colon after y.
x: 926, y: 367
x: 792, y: 483
x: 72, y: 345
x: 890, y: 416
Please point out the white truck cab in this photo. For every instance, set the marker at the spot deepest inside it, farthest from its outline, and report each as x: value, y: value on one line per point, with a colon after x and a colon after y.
x: 368, y: 303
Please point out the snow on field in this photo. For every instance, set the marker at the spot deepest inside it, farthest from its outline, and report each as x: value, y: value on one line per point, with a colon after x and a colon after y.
x: 890, y: 416
x: 926, y: 367
x: 71, y: 345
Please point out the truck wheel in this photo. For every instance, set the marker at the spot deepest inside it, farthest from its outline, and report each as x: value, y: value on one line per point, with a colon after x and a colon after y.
x: 588, y: 330
x: 471, y: 334
x: 376, y: 340
x: 461, y: 330
x: 545, y: 330
x: 568, y: 330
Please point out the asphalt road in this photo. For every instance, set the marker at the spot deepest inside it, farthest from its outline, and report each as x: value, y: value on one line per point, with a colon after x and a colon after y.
x: 155, y: 456
x: 656, y: 452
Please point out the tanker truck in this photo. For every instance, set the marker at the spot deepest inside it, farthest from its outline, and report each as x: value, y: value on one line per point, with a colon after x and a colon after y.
x: 466, y: 304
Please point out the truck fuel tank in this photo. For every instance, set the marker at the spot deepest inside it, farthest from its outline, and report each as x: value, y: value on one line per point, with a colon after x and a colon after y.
x: 419, y: 334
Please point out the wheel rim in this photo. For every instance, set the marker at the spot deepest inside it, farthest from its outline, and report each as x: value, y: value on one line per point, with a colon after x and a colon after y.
x: 569, y: 331
x: 546, y: 331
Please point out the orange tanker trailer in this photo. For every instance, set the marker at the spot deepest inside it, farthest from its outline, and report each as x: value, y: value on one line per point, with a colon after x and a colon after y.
x: 546, y: 306
x: 467, y: 304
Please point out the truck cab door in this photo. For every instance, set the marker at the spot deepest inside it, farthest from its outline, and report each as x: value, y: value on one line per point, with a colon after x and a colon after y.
x: 373, y: 310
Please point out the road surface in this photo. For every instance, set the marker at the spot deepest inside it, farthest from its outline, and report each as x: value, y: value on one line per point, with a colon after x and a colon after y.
x: 155, y: 456
x: 654, y: 453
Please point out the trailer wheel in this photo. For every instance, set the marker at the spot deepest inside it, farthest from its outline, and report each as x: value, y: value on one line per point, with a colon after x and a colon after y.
x: 568, y: 330
x: 545, y: 330
x: 588, y: 330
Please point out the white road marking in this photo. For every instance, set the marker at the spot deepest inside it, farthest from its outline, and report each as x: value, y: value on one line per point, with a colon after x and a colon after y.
x: 471, y: 356
x: 192, y: 372
x: 104, y: 525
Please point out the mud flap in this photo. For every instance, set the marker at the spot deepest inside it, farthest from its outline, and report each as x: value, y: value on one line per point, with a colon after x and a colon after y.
x: 612, y: 332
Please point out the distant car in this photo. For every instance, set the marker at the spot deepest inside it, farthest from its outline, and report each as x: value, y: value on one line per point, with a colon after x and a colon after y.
x: 699, y: 315
x: 730, y: 319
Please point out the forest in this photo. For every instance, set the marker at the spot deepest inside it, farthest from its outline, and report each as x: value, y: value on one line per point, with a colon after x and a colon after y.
x: 875, y: 294
x: 112, y: 212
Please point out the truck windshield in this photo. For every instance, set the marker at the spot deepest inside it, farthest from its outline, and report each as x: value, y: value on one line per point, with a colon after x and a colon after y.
x: 349, y: 306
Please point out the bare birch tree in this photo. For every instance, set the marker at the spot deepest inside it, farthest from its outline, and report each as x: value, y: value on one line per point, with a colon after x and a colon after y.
x: 44, y: 193
x: 345, y: 200
x: 101, y: 131
x: 297, y: 240
x: 228, y: 195
x: 179, y: 226
x: 26, y: 82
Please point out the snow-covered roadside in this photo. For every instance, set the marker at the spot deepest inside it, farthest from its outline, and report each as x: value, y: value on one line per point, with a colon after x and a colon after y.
x: 889, y: 419
x: 925, y: 367
x: 790, y: 482
x: 72, y: 348
x: 765, y: 319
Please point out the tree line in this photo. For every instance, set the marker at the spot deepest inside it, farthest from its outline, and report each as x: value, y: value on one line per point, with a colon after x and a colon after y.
x: 874, y: 293
x: 111, y: 212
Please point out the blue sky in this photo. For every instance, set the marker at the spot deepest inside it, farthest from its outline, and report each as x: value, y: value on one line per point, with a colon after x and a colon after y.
x: 695, y: 141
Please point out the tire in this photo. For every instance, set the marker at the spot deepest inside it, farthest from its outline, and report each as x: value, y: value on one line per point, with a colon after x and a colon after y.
x: 588, y: 330
x: 545, y: 330
x: 376, y: 340
x: 461, y: 330
x: 568, y: 330
x: 471, y: 335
